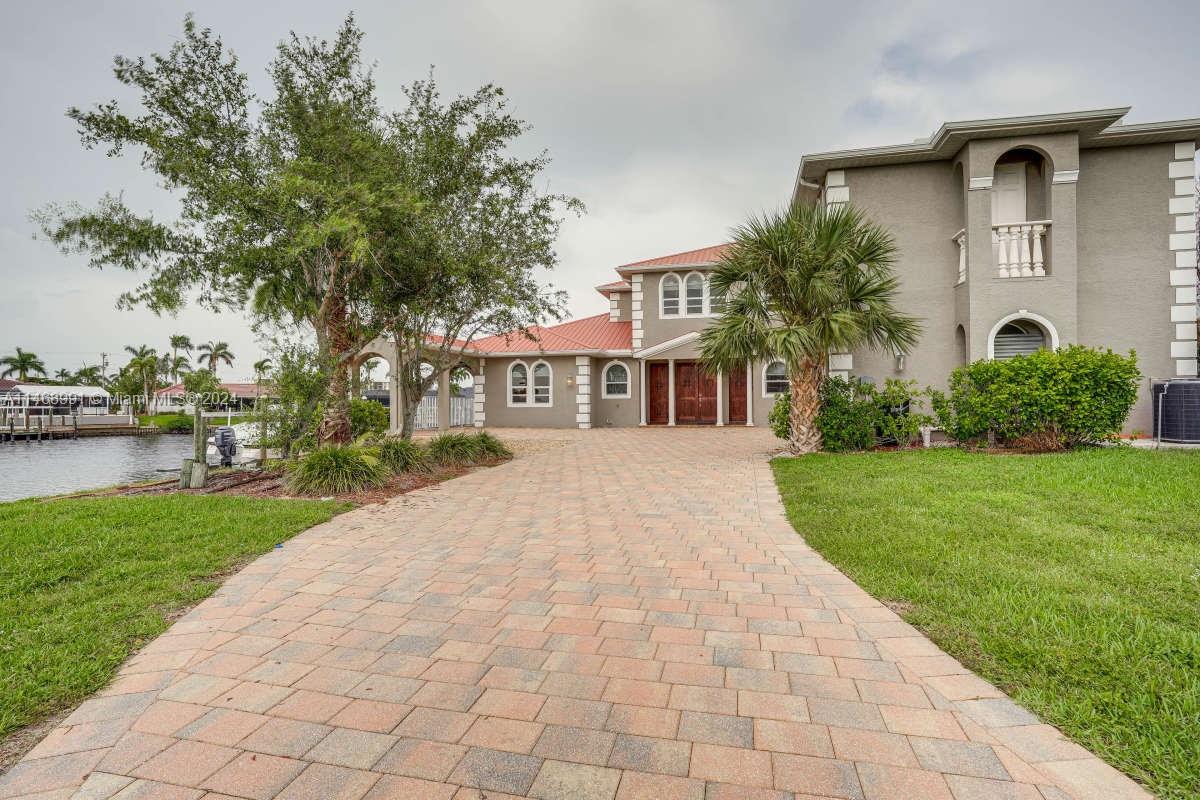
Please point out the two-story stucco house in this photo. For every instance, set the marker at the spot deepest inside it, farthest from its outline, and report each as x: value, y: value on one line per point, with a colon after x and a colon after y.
x: 1014, y: 234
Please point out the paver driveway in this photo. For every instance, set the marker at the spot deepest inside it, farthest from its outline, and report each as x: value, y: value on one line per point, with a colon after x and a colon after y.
x: 622, y: 613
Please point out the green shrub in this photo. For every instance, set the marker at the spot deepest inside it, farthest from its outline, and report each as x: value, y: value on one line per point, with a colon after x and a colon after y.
x: 857, y: 416
x: 848, y: 415
x: 337, y: 469
x: 455, y: 449
x: 174, y: 423
x: 367, y: 416
x: 780, y: 417
x: 491, y: 446
x: 1046, y: 400
x: 403, y: 455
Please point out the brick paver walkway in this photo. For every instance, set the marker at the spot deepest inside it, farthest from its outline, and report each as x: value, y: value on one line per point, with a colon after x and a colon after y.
x: 622, y: 614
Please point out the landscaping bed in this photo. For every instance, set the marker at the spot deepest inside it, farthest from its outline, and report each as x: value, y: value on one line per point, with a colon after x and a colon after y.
x: 1071, y: 580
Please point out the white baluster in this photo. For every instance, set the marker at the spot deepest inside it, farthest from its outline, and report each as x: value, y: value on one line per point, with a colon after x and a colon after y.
x: 962, y: 257
x: 1039, y: 264
x: 1024, y: 232
x: 1002, y: 252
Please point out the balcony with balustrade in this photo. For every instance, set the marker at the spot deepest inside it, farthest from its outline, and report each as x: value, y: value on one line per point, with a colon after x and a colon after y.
x: 1021, y: 229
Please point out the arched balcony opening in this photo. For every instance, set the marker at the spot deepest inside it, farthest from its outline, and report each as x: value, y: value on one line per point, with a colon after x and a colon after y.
x: 1021, y: 214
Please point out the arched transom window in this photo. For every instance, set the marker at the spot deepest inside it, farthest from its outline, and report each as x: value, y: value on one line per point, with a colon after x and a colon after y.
x: 541, y: 383
x: 518, y: 384
x: 616, y: 380
x: 775, y: 379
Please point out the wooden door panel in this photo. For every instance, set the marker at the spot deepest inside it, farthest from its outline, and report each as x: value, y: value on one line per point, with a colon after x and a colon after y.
x: 706, y: 401
x: 686, y: 393
x: 658, y: 395
x: 737, y: 395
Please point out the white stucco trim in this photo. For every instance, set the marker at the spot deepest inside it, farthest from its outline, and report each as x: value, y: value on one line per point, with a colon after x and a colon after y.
x: 480, y: 396
x: 583, y: 391
x: 635, y: 304
x: 1182, y: 243
x: 1065, y: 176
x: 1046, y: 324
x: 983, y: 182
x: 762, y: 375
x: 835, y: 177
x: 614, y: 307
x: 835, y: 195
x: 604, y: 381
x: 669, y: 344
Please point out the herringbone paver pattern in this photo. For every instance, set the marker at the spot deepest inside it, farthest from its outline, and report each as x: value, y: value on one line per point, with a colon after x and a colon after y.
x: 619, y: 614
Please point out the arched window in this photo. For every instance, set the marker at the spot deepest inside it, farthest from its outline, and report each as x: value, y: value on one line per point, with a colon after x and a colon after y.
x: 775, y: 379
x: 1018, y: 338
x: 616, y: 380
x: 518, y: 384
x: 669, y: 290
x: 541, y: 383
x: 694, y: 286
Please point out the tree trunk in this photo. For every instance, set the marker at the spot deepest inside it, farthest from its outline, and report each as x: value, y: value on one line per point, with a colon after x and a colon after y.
x: 335, y: 420
x: 805, y: 384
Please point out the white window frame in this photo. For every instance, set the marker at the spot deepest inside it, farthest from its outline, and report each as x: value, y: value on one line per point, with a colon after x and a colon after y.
x: 763, y: 377
x: 533, y: 385
x: 683, y: 295
x: 628, y: 381
x: 662, y: 297
x: 528, y: 383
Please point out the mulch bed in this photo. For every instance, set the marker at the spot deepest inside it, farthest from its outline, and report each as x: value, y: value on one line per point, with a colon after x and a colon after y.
x: 273, y: 483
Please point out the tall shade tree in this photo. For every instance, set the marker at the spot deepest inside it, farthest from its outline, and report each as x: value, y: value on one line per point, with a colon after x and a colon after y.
x: 22, y: 364
x: 486, y: 230
x: 213, y: 354
x: 799, y: 285
x: 291, y: 204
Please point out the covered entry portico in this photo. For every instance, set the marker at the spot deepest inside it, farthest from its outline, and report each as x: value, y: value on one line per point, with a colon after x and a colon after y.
x: 678, y: 390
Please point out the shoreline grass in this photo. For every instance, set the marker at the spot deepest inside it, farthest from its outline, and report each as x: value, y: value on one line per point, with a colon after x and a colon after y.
x: 1072, y: 581
x: 86, y: 581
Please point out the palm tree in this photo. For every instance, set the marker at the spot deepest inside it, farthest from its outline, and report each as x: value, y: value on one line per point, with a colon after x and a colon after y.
x: 146, y: 369
x: 63, y: 375
x: 178, y: 365
x: 22, y: 365
x: 88, y: 376
x: 179, y: 342
x: 262, y: 367
x: 799, y: 285
x: 141, y: 351
x: 214, y: 353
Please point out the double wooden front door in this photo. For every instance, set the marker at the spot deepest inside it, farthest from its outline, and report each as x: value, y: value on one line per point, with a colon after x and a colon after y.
x: 695, y: 394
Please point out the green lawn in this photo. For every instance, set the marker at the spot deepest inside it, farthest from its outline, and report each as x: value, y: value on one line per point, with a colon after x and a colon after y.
x: 83, y: 582
x: 1071, y: 581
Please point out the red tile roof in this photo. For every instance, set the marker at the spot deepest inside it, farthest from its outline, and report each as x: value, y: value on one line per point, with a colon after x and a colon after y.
x: 615, y: 286
x: 705, y: 255
x: 589, y: 333
x: 6, y: 384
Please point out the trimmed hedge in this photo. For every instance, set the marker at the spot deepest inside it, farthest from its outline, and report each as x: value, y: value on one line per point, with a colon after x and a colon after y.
x: 858, y: 416
x: 1045, y: 401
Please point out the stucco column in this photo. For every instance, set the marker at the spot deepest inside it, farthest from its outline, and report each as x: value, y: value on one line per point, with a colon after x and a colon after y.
x: 643, y: 395
x: 749, y: 395
x: 583, y: 392
x: 443, y: 400
x: 720, y: 398
x: 670, y: 391
x: 480, y: 396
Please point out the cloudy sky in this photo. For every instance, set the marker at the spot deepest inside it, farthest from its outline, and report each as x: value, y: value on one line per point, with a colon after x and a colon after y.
x: 670, y: 120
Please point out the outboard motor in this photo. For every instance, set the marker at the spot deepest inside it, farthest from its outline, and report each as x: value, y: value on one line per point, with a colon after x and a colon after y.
x: 225, y: 440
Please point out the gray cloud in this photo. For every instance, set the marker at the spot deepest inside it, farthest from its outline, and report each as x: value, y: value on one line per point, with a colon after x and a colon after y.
x: 671, y: 120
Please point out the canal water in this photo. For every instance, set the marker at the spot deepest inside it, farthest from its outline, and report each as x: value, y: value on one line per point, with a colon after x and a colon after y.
x: 33, y: 469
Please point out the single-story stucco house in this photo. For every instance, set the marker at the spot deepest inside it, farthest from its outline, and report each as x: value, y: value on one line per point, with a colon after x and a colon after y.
x: 1014, y: 234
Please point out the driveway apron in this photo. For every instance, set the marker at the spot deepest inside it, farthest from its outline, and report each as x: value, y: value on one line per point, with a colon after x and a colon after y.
x: 620, y: 613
